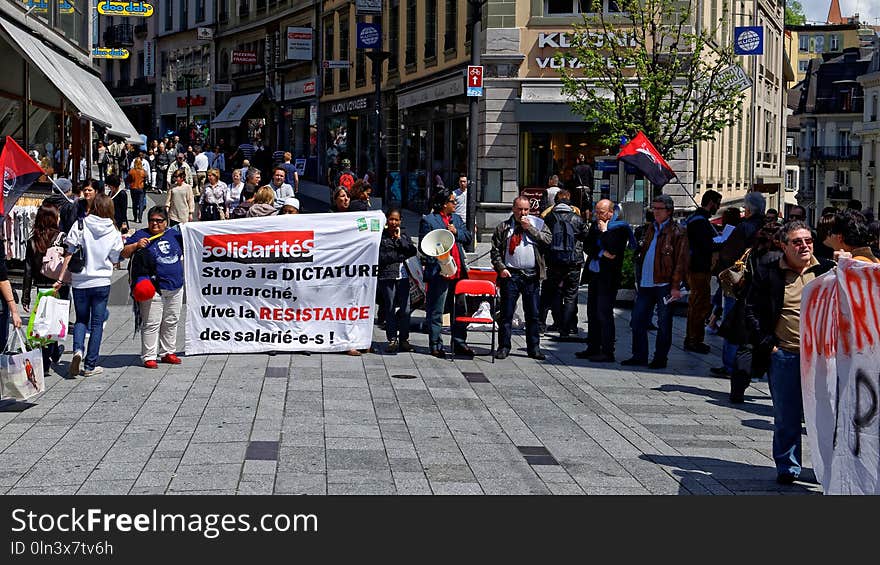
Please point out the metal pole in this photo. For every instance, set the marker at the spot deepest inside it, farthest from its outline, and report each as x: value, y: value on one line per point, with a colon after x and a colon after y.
x: 377, y: 78
x: 188, y: 101
x: 474, y: 128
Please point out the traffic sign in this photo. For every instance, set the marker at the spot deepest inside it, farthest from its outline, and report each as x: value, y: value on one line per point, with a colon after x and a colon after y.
x: 331, y: 64
x: 475, y: 76
x: 474, y: 91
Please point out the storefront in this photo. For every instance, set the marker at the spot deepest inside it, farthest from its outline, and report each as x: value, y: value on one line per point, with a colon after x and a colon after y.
x: 139, y: 110
x: 434, y: 147
x: 299, y: 111
x: 349, y: 133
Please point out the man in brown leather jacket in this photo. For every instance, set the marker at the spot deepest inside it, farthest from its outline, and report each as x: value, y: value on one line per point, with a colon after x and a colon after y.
x: 664, y: 258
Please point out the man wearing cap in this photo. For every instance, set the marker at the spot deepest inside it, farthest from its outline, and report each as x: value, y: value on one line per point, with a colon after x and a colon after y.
x: 289, y: 206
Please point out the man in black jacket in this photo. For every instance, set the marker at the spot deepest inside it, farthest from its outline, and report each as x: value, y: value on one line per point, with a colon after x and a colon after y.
x: 67, y: 203
x: 606, y: 243
x: 772, y: 310
x: 700, y: 239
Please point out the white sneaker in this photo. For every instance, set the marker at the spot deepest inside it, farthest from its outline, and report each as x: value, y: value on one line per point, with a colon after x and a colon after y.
x: 92, y: 372
x: 75, y: 363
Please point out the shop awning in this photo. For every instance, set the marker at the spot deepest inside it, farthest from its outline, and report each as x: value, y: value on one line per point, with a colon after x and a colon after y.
x: 234, y: 111
x: 83, y: 89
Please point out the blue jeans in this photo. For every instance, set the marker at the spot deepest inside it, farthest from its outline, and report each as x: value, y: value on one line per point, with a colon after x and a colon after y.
x: 395, y: 302
x: 90, y: 305
x: 728, y: 350
x: 647, y: 299
x: 788, y: 407
x: 435, y: 306
x: 138, y: 202
x: 511, y: 289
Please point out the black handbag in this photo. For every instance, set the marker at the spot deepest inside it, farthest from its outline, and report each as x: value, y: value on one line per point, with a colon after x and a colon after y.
x: 78, y: 257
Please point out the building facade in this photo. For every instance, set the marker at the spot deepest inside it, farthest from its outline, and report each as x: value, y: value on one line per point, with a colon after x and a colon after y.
x: 870, y: 136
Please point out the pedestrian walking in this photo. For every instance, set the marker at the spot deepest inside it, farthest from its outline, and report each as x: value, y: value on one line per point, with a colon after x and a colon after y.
x: 517, y: 258
x: 120, y: 203
x: 394, y: 249
x: 179, y: 201
x: 701, y: 240
x: 100, y: 240
x: 157, y: 258
x: 291, y: 174
x: 214, y: 198
x: 137, y: 181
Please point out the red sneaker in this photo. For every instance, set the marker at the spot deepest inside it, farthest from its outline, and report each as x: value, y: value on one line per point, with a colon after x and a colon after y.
x: 151, y: 364
x: 171, y: 358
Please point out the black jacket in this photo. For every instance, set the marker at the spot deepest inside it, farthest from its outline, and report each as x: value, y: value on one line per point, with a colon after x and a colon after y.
x: 700, y: 233
x: 562, y: 212
x: 66, y: 210
x: 614, y: 242
x: 765, y: 295
x: 392, y: 252
x: 743, y: 237
x: 358, y: 206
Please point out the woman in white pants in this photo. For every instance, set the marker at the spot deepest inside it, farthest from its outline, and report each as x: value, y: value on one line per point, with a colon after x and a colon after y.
x: 159, y: 263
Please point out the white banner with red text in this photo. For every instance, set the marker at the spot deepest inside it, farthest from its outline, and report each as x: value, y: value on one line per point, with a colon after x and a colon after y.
x: 282, y: 283
x: 840, y: 376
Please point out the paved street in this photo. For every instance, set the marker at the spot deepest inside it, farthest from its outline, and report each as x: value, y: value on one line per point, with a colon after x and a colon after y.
x: 378, y: 424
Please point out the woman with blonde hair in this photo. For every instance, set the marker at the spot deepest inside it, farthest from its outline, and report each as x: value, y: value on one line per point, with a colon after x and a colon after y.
x: 135, y: 181
x: 214, y: 197
x: 264, y: 203
x: 235, y: 189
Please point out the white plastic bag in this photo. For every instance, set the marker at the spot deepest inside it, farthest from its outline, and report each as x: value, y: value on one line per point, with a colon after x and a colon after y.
x: 51, y: 319
x: 21, y: 371
x: 483, y: 311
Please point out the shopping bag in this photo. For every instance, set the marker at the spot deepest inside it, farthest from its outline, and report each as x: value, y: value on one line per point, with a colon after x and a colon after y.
x: 51, y: 320
x: 416, y: 283
x: 484, y: 311
x: 33, y: 340
x: 21, y: 371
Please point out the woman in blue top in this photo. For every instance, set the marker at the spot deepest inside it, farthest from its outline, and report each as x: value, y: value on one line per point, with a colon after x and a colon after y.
x: 160, y: 314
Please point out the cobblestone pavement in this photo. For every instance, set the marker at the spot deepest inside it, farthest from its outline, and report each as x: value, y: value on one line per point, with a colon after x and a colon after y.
x: 381, y: 424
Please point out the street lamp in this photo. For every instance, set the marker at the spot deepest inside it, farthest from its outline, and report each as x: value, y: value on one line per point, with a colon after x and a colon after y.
x: 377, y: 58
x: 473, y: 125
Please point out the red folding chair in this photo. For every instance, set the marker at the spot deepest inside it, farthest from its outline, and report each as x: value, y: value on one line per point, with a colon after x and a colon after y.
x: 481, y: 289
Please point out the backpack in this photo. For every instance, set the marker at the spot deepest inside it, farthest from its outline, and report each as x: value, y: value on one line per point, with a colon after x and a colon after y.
x: 53, y: 261
x: 563, y: 245
x: 346, y: 180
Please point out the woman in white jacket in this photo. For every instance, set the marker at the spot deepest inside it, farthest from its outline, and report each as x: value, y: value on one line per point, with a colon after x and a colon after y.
x: 102, y: 242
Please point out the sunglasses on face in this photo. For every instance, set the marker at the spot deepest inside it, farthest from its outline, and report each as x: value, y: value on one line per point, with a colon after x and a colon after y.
x: 801, y: 241
x: 157, y: 220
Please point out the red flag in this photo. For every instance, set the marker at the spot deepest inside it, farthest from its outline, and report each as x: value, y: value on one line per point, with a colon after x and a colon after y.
x: 641, y: 154
x: 20, y: 171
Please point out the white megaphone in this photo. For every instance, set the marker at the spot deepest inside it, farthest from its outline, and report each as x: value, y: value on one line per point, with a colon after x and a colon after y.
x: 438, y: 243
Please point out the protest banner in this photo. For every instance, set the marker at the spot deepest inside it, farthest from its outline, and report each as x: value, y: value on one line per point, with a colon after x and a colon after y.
x: 281, y: 283
x: 840, y: 376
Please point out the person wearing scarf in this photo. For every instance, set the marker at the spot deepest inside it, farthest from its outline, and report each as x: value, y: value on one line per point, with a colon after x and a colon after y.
x: 436, y: 303
x: 517, y: 257
x: 606, y: 243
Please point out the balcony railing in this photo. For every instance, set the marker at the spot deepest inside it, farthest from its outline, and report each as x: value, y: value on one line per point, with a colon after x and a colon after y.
x: 837, y: 152
x: 121, y: 35
x: 840, y: 192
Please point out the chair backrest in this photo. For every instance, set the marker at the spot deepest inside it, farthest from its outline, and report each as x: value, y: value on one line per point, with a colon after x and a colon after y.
x: 475, y: 287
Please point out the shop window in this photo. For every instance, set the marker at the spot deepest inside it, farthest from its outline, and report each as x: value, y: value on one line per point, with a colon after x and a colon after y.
x: 73, y: 22
x: 410, y: 33
x: 450, y: 38
x: 430, y: 28
x: 10, y: 118
x: 344, y: 54
x: 491, y: 185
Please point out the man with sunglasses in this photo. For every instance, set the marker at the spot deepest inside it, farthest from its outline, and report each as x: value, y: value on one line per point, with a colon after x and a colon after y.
x: 773, y: 310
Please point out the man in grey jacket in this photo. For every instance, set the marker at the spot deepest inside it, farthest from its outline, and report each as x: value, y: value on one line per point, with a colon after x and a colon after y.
x: 516, y: 257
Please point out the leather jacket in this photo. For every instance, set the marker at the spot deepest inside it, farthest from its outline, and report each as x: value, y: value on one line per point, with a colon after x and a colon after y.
x: 670, y: 254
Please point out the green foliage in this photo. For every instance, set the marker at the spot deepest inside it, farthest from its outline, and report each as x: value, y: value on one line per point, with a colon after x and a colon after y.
x: 628, y: 279
x: 794, y: 14
x: 649, y: 70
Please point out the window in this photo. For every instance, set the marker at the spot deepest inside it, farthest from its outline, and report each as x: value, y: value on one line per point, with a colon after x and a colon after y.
x: 394, y: 34
x: 803, y: 65
x: 169, y: 15
x: 430, y: 28
x: 571, y: 7
x: 200, y: 10
x: 184, y: 15
x: 834, y: 42
x: 450, y: 38
x: 410, y: 32
x: 344, y: 55
x: 124, y: 72
x: 328, y: 53
x: 804, y: 43
x: 874, y: 108
x: 360, y: 63
x: 819, y: 44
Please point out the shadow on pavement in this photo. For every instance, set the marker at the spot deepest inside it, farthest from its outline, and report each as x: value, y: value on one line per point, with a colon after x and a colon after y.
x: 720, y: 398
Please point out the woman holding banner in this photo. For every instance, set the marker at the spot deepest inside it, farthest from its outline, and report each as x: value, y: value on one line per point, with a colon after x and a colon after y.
x: 157, y: 286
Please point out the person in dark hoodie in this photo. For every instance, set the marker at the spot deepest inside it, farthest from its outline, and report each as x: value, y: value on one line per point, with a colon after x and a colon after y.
x: 701, y: 236
x: 395, y: 248
x: 67, y: 202
x: 91, y: 287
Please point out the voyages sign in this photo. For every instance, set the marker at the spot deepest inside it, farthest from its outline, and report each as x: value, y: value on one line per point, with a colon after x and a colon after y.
x: 547, y: 45
x: 282, y: 283
x: 128, y: 9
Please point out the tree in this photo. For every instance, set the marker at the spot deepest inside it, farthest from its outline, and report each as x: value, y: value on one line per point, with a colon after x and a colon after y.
x: 794, y: 14
x: 649, y: 69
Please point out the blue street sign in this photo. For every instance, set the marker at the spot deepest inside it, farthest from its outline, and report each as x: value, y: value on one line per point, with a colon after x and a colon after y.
x: 369, y: 35
x: 748, y: 40
x: 475, y: 91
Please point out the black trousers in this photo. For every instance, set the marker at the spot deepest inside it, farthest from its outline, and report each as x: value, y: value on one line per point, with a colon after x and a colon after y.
x: 559, y: 294
x: 600, y: 316
x: 511, y: 288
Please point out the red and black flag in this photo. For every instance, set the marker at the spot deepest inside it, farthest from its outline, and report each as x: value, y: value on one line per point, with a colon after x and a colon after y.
x: 20, y: 171
x: 641, y: 154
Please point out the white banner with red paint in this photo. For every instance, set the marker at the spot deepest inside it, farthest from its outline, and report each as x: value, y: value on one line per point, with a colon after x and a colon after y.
x: 840, y: 376
x: 282, y: 283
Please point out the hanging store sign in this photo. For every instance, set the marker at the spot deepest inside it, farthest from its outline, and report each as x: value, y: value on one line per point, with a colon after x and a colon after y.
x: 748, y: 40
x: 110, y: 53
x: 149, y: 58
x: 222, y: 87
x: 369, y: 35
x: 205, y: 33
x: 128, y: 9
x: 368, y: 7
x: 299, y: 43
x: 193, y: 101
x: 299, y: 89
x: 138, y: 100
x: 349, y: 105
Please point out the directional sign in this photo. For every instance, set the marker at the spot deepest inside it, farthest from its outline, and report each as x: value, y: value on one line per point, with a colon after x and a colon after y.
x: 475, y: 76
x: 474, y: 91
x: 331, y: 64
